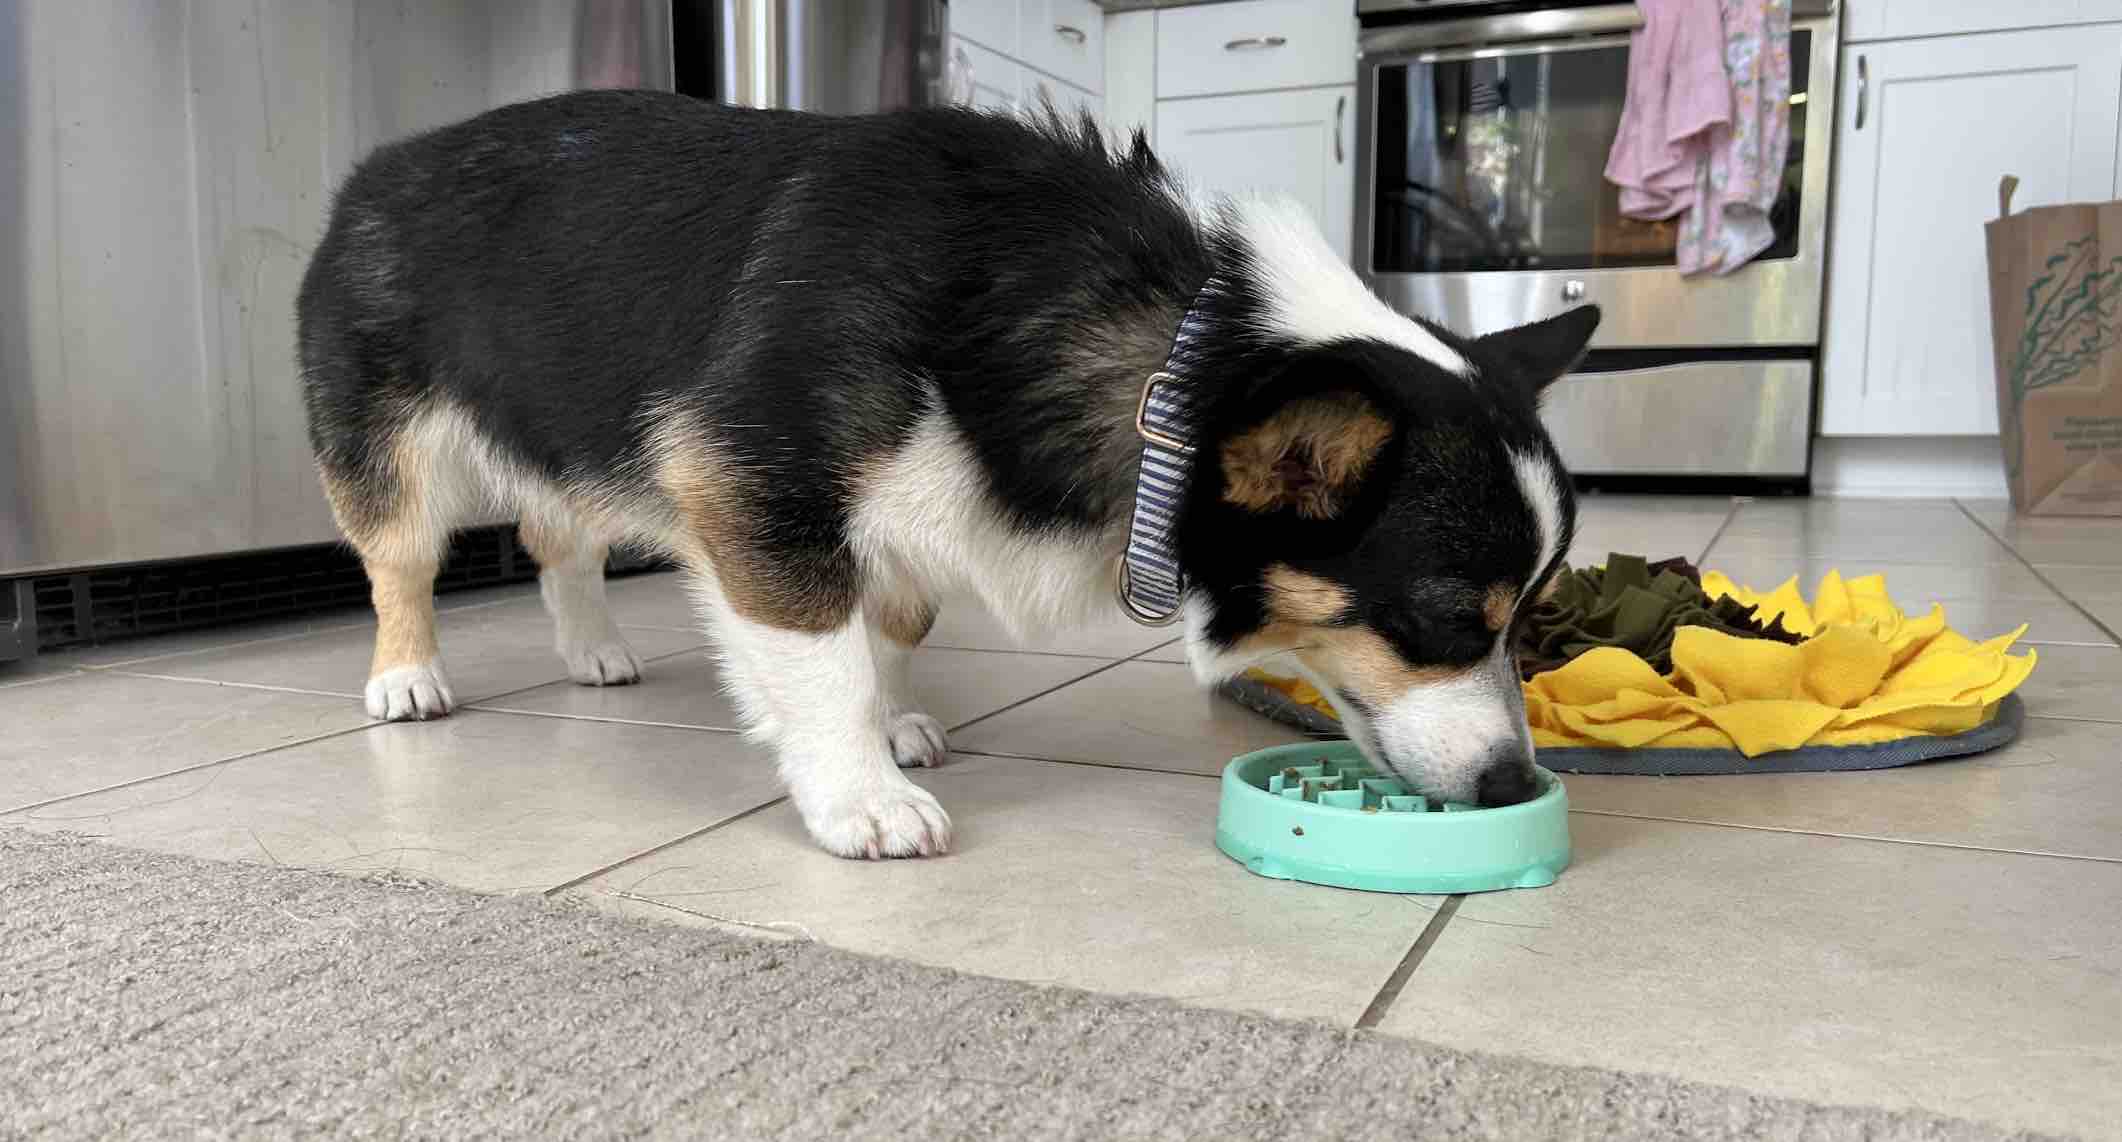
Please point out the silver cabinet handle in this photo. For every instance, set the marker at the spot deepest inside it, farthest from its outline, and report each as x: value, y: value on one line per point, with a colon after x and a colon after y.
x: 1573, y: 290
x: 1863, y: 89
x: 1340, y: 114
x: 1255, y: 43
x: 1072, y: 34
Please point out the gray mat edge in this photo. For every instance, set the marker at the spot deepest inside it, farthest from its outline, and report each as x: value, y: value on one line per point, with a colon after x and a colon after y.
x: 1668, y: 762
x: 216, y: 958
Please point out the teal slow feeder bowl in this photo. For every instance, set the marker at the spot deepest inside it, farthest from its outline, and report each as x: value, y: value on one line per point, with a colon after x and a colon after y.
x: 1323, y: 815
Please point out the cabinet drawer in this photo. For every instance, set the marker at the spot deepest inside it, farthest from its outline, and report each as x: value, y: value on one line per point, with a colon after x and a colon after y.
x: 1064, y: 39
x: 990, y: 23
x: 1704, y: 418
x: 1255, y: 45
x: 1900, y: 19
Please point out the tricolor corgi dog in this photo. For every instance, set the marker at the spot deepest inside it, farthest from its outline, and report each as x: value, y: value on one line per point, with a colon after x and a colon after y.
x: 840, y: 369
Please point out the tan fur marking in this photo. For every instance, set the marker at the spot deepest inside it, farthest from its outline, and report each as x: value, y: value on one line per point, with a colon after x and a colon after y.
x: 1308, y: 455
x: 1496, y: 609
x: 561, y: 543
x: 1355, y: 658
x: 404, y: 597
x: 1364, y: 663
x: 904, y: 621
x: 708, y: 494
x: 1295, y: 597
x: 401, y: 560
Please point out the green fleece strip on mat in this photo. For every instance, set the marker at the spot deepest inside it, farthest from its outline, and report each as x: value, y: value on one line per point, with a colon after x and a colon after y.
x: 1632, y: 604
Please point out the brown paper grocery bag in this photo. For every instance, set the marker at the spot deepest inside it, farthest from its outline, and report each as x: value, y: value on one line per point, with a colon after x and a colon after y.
x: 2055, y: 305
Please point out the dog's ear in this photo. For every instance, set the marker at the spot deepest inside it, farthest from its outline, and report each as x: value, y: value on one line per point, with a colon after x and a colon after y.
x: 1537, y: 355
x: 1308, y: 454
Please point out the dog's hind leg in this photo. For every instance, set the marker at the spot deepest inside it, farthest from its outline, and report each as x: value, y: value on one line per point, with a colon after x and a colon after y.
x: 898, y: 625
x: 571, y: 580
x: 401, y: 539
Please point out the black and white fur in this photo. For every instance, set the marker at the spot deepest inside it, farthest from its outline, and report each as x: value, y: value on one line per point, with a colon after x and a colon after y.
x: 842, y: 368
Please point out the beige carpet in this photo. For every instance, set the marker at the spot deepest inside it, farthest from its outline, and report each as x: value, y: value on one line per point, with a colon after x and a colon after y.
x: 144, y: 995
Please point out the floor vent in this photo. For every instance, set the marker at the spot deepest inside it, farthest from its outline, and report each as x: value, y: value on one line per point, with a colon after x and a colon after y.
x: 107, y: 605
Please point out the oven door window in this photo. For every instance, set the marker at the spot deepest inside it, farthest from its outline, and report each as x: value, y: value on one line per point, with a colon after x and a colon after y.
x: 1496, y: 161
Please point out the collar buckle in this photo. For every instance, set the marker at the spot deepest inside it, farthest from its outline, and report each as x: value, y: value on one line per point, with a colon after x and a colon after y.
x: 1145, y: 429
x: 1123, y: 590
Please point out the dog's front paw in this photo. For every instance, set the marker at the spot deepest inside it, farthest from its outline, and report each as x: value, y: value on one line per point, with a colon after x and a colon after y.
x: 603, y: 664
x: 409, y: 694
x: 917, y: 739
x: 895, y: 820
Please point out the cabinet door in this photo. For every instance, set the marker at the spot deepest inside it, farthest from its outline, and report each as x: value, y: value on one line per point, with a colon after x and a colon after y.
x: 1928, y: 127
x: 1297, y: 143
x: 1067, y: 98
x: 980, y: 78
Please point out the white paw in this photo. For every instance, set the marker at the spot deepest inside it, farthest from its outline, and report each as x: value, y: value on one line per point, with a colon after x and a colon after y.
x: 895, y: 820
x: 917, y: 739
x: 610, y: 663
x: 409, y: 694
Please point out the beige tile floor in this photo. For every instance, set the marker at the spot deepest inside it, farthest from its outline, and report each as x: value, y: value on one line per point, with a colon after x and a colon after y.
x: 1947, y: 936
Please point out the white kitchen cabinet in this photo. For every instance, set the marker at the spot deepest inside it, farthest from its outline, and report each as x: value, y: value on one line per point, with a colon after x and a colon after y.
x: 1896, y: 19
x: 1298, y: 143
x: 1254, y: 45
x: 1928, y: 127
x: 983, y: 79
x: 990, y: 23
x: 1064, y: 39
x: 1039, y: 90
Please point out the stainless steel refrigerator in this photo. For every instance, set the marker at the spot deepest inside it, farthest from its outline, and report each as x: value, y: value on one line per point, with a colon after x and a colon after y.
x: 165, y: 169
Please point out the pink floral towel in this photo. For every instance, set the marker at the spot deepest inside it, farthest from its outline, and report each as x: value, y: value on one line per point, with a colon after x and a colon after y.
x: 1677, y: 92
x: 1743, y: 171
x: 1733, y: 162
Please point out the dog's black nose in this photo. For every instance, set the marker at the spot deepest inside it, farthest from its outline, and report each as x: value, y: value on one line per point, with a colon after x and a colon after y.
x: 1507, y: 782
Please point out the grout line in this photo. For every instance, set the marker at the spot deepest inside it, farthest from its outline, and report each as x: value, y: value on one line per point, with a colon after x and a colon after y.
x: 1383, y: 1001
x: 1061, y: 686
x: 1708, y: 824
x: 69, y: 672
x: 2076, y: 717
x: 483, y: 708
x: 239, y: 644
x: 49, y: 801
x: 1046, y: 653
x: 649, y: 852
x: 695, y: 649
x: 355, y: 696
x: 1730, y: 517
x: 2103, y: 628
x: 122, y: 673
x: 1092, y: 764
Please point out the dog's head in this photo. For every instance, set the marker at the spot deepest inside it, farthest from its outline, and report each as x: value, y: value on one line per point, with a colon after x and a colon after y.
x: 1384, y: 516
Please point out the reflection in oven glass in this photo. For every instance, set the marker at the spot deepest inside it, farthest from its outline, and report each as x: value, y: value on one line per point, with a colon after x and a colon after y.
x: 1496, y: 162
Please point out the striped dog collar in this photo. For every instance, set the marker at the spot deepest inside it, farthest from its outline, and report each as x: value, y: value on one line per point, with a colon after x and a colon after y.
x: 1166, y: 419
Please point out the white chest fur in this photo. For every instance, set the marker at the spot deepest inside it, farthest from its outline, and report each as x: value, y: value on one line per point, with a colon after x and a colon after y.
x: 925, y: 523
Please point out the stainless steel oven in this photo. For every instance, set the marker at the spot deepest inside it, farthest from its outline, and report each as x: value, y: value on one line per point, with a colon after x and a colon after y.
x: 1482, y: 203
